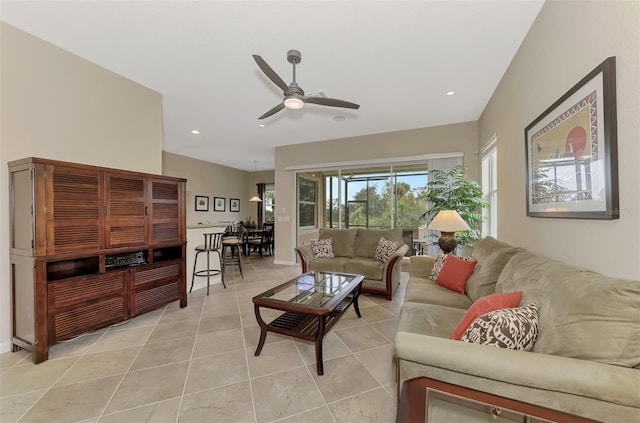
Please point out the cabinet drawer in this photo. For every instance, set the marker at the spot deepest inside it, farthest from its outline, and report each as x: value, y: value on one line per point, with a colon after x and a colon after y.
x: 82, y: 318
x: 156, y: 296
x: 77, y: 290
x: 155, y: 273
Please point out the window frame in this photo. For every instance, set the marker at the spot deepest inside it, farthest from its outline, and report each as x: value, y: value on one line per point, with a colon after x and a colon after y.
x: 307, y: 203
x: 490, y: 186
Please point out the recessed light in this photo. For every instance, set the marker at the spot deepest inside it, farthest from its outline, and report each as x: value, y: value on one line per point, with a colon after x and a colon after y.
x: 339, y: 118
x: 195, y: 131
x: 261, y: 125
x: 451, y: 92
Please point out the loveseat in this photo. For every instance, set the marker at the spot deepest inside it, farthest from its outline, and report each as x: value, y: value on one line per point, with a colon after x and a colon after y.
x: 587, y: 345
x: 354, y: 251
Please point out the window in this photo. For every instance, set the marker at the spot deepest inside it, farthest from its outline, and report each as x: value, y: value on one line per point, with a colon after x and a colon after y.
x: 307, y: 189
x: 490, y: 187
x: 269, y: 202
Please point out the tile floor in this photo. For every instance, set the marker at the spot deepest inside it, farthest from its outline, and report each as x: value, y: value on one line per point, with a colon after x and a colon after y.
x: 197, y: 364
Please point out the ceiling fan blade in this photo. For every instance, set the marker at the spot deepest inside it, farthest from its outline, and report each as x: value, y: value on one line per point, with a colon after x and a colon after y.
x: 273, y: 111
x: 271, y: 74
x: 324, y: 101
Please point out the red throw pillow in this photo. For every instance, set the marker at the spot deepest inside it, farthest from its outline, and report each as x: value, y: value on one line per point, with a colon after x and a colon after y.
x: 454, y: 273
x: 483, y: 306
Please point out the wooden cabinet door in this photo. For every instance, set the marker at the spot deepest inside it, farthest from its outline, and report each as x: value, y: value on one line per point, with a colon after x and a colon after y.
x: 74, y: 209
x: 166, y: 208
x: 126, y: 211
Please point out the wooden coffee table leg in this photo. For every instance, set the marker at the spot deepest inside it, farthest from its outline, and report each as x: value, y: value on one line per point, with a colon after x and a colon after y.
x: 355, y: 300
x: 263, y: 330
x: 319, y: 336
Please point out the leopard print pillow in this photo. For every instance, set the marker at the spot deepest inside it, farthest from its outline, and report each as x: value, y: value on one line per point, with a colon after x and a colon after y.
x: 385, y: 249
x: 322, y: 248
x: 437, y: 266
x: 512, y: 328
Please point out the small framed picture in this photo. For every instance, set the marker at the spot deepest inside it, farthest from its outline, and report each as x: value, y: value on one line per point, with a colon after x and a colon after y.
x: 234, y: 204
x: 219, y: 204
x: 202, y: 203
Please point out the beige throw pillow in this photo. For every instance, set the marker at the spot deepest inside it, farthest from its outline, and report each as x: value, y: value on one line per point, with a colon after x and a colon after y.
x: 322, y: 248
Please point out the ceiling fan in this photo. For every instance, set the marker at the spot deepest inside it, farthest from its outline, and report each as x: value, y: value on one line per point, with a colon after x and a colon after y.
x: 294, y: 97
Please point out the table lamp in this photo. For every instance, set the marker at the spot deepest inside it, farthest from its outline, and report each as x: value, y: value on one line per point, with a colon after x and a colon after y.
x: 448, y: 222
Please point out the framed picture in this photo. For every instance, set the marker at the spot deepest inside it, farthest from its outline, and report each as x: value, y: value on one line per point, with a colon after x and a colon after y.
x: 202, y: 203
x: 219, y: 204
x: 572, y: 152
x: 234, y: 204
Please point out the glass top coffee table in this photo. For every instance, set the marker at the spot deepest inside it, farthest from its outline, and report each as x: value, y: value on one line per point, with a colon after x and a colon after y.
x: 313, y: 302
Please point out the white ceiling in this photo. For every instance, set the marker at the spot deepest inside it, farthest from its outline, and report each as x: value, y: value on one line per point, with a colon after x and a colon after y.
x: 396, y: 59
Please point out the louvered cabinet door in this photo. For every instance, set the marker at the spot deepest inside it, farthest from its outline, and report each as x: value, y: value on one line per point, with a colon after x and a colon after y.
x: 126, y: 210
x: 166, y: 210
x: 74, y: 217
x: 155, y: 285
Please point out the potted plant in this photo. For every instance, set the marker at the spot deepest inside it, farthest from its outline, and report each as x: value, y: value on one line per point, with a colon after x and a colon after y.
x: 249, y: 223
x: 452, y: 190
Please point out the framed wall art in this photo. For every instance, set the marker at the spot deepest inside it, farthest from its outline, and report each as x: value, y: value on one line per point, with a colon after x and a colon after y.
x: 219, y: 204
x: 234, y: 204
x: 572, y: 152
x: 202, y: 203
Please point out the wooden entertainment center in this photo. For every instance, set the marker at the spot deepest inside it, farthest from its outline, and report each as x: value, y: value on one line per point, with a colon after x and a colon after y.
x: 90, y: 246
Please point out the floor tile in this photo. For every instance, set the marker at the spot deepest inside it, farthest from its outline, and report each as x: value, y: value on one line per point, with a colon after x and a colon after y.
x: 9, y: 359
x: 161, y: 353
x: 376, y: 313
x: 283, y: 394
x: 372, y: 406
x: 159, y: 412
x: 167, y: 331
x: 218, y: 342
x: 226, y: 404
x: 318, y: 415
x: 147, y: 386
x: 361, y: 338
x: 387, y: 328
x: 379, y: 362
x: 12, y: 408
x: 32, y: 377
x: 217, y: 323
x: 77, y: 346
x: 125, y: 338
x: 343, y: 377
x: 273, y: 358
x: 252, y: 336
x: 100, y: 365
x: 72, y: 403
x: 215, y: 371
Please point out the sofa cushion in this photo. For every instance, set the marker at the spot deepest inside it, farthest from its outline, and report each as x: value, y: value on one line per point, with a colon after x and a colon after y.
x: 512, y: 328
x: 367, y: 240
x: 322, y: 248
x: 483, y: 306
x: 491, y: 255
x: 583, y: 314
x: 428, y: 319
x: 454, y: 273
x: 333, y: 264
x: 385, y: 249
x: 370, y: 268
x: 422, y: 290
x: 343, y: 240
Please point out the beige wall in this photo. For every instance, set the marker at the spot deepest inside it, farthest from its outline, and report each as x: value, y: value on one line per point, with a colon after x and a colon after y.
x: 212, y: 180
x: 56, y: 105
x: 460, y: 137
x: 254, y: 178
x: 565, y: 43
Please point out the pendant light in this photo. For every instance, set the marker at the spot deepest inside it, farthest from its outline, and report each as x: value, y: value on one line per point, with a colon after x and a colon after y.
x: 256, y: 198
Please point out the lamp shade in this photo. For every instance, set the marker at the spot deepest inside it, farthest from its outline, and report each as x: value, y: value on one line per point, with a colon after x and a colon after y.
x: 448, y: 221
x: 255, y: 199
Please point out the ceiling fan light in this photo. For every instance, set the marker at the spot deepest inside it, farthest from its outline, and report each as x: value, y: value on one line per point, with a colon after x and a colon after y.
x: 293, y: 103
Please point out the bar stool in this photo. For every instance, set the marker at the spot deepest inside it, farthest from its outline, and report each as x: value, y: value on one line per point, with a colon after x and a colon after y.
x: 212, y: 244
x: 234, y: 242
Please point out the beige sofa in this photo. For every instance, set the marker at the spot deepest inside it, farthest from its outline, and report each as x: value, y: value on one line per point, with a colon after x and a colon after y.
x: 588, y: 341
x: 354, y: 251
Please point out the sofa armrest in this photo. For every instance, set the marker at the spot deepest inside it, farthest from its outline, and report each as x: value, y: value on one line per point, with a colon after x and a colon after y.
x: 541, y: 371
x: 420, y: 266
x: 306, y: 255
